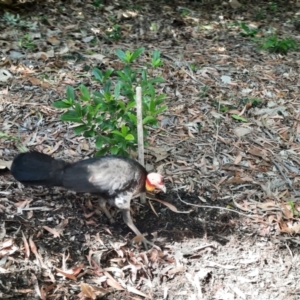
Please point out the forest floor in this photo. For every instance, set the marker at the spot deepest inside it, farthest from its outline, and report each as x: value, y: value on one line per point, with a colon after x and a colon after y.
x: 227, y: 146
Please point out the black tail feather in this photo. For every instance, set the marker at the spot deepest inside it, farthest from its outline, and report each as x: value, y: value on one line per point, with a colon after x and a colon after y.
x: 35, y: 168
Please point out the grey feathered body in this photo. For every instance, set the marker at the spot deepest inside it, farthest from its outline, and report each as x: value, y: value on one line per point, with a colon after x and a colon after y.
x: 109, y: 176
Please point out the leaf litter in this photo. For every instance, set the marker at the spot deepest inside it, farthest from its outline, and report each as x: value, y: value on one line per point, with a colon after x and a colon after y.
x: 214, y: 147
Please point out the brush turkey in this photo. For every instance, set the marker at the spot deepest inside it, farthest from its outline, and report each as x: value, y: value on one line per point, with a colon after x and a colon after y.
x: 115, y: 179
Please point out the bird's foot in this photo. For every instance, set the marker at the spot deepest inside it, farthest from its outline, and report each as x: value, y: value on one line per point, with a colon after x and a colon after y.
x: 110, y: 218
x: 141, y: 238
x: 146, y: 242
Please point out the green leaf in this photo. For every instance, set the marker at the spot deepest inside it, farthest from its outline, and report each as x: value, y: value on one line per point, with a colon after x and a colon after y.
x: 114, y: 150
x: 131, y: 105
x: 99, y: 141
x: 117, y: 90
x: 157, y: 80
x: 239, y: 118
x: 137, y: 53
x: 152, y: 106
x: 160, y: 110
x: 129, y: 137
x: 103, y: 151
x: 156, y: 63
x: 70, y: 93
x: 128, y: 56
x: 123, y: 152
x: 122, y: 55
x: 85, y: 93
x: 95, y: 109
x: 97, y: 74
x: 71, y: 116
x: 122, y: 105
x: 117, y: 133
x: 90, y: 133
x: 80, y: 128
x: 118, y: 139
x: 132, y: 118
x: 98, y: 97
x: 244, y: 27
x: 129, y: 74
x: 84, y: 110
x: 78, y: 109
x: 156, y: 55
x: 122, y: 76
x: 107, y: 87
x: 144, y: 76
x: 107, y: 74
x: 148, y: 90
x: 124, y: 130
x: 160, y: 98
x: 99, y: 120
x: 149, y: 120
x: 62, y: 104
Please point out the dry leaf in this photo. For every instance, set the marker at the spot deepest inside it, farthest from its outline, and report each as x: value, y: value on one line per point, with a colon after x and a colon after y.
x: 5, y: 75
x: 238, y: 159
x: 87, y: 290
x: 6, y: 244
x: 172, y: 207
x: 5, y: 164
x: 7, y: 248
x: 111, y: 282
x: 289, y: 228
x: 76, y: 270
x: 26, y: 246
x: 176, y: 270
x: 235, y: 4
x: 242, y: 131
x: 287, y: 210
x: 137, y: 292
x: 53, y: 40
x: 152, y: 208
x: 259, y: 152
x: 2, y: 230
x: 61, y: 226
x: 53, y: 231
x: 67, y: 274
x: 159, y: 152
x: 35, y: 283
x: 35, y: 252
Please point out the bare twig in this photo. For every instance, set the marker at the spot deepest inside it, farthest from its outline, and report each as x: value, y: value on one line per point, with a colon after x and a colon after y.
x: 140, y: 132
x: 216, y: 207
x: 283, y: 175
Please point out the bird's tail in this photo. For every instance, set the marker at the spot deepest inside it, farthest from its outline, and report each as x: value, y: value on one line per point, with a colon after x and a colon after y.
x: 35, y: 168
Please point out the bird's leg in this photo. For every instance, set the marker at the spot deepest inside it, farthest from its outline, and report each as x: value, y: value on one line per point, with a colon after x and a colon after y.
x: 51, y: 192
x: 128, y: 221
x: 103, y: 208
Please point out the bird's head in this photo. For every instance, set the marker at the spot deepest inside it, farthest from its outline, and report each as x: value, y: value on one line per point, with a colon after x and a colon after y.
x: 155, y: 180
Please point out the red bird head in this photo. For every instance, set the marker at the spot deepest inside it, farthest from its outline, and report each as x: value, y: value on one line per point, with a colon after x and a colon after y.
x: 155, y: 180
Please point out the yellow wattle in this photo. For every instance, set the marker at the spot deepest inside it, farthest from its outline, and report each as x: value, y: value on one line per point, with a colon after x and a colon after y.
x: 149, y: 186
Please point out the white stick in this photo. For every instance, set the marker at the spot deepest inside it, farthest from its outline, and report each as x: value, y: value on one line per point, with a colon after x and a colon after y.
x: 139, y: 116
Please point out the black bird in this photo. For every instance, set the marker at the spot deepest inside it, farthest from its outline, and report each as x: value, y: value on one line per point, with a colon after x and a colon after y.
x: 115, y: 179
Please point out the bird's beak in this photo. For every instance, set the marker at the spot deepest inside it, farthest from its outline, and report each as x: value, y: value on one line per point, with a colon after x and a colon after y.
x: 163, y: 188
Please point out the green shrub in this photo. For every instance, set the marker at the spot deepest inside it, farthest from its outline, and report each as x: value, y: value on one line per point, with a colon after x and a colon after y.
x: 275, y: 45
x: 248, y: 31
x: 108, y: 115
